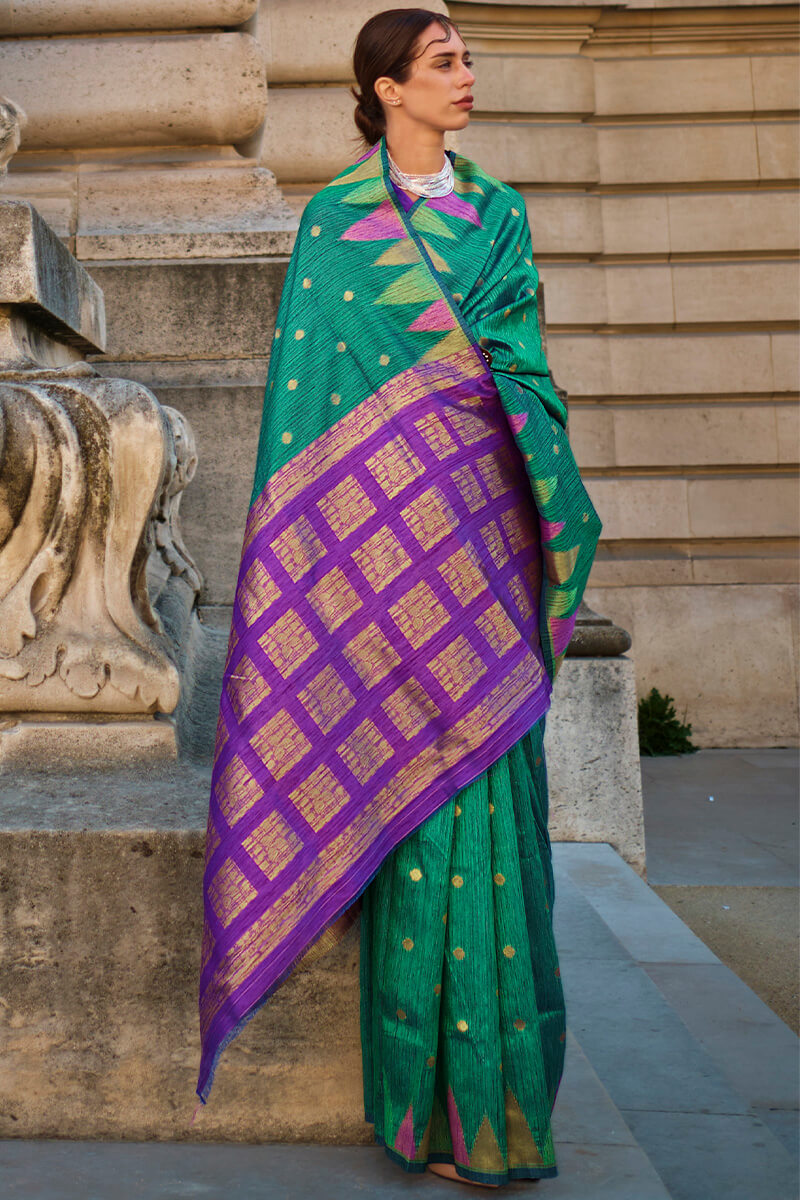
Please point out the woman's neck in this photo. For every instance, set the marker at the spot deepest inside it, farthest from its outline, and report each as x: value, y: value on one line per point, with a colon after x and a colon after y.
x: 416, y: 151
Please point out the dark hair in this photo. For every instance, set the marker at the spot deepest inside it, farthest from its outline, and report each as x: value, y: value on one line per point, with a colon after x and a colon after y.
x: 386, y: 46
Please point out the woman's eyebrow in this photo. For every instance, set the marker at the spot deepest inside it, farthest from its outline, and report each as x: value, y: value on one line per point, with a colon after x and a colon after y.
x: 449, y: 53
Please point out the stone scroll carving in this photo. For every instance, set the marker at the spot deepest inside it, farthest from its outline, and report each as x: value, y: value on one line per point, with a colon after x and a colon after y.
x: 91, y: 474
x: 12, y: 121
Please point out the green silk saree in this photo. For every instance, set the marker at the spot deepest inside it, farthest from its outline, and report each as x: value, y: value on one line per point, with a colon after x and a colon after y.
x: 417, y: 544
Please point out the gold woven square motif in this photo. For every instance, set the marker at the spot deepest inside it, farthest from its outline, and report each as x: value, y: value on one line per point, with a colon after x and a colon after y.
x: 327, y: 698
x: 496, y: 471
x: 319, y: 797
x: 494, y: 543
x: 381, y: 558
x: 470, y: 427
x: 272, y: 844
x: 365, y: 750
x: 258, y: 590
x: 371, y: 655
x: 463, y: 575
x: 410, y: 707
x: 229, y: 892
x: 280, y: 744
x: 430, y: 518
x: 457, y: 668
x: 497, y: 627
x: 236, y: 790
x: 470, y: 489
x: 418, y: 614
x: 518, y: 524
x: 221, y: 735
x: 298, y: 548
x: 436, y: 435
x: 394, y: 466
x: 246, y: 688
x: 333, y: 599
x: 522, y: 597
x: 288, y: 643
x: 346, y: 506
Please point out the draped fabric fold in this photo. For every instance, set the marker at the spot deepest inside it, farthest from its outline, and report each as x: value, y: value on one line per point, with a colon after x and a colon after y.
x: 417, y: 544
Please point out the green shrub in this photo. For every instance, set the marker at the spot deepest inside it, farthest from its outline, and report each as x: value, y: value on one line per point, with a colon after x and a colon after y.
x: 660, y: 731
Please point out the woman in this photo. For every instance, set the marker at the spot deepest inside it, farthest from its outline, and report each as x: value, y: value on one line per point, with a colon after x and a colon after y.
x: 417, y: 544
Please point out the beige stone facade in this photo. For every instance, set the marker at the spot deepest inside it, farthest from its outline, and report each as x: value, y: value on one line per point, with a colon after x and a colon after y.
x: 656, y: 147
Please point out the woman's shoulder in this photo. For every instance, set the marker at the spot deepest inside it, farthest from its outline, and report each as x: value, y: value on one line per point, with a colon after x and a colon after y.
x: 505, y: 199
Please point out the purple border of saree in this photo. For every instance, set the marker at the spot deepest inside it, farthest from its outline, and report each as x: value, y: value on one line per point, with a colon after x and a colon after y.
x: 467, y: 473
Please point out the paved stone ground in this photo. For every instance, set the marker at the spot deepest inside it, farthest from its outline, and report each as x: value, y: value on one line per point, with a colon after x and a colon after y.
x: 721, y: 830
x: 680, y: 1082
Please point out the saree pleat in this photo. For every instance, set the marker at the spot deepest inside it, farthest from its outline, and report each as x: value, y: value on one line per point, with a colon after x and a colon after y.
x: 462, y: 1009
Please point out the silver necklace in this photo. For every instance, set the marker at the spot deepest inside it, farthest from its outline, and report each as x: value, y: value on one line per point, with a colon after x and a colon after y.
x: 440, y: 183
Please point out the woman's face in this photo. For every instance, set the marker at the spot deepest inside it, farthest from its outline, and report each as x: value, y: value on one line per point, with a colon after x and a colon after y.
x: 438, y: 90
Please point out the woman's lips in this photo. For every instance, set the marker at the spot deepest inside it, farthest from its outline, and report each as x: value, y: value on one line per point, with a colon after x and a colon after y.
x: 465, y: 103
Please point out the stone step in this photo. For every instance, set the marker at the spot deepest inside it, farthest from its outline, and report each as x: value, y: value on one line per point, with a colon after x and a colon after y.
x: 598, y: 1159
x: 704, y: 1073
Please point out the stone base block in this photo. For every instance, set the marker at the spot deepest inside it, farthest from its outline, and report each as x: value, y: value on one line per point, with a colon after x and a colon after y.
x: 41, y: 742
x: 592, y: 747
x: 99, y: 1025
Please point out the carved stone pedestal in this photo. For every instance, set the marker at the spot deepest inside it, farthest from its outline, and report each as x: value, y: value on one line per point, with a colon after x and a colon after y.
x: 91, y: 473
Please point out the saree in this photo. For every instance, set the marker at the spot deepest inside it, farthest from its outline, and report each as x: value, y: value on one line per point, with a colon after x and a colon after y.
x: 417, y: 543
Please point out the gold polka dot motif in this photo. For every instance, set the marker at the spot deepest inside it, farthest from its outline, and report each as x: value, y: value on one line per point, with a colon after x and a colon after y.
x: 491, y: 807
x: 299, y: 334
x: 286, y: 437
x: 499, y: 879
x: 348, y: 295
x: 515, y: 212
x: 415, y: 874
x: 519, y: 1024
x: 407, y: 944
x: 430, y: 1061
x: 292, y: 384
x: 384, y: 359
x: 437, y: 989
x: 306, y: 282
x: 459, y: 953
x: 401, y: 1016
x: 509, y: 951
x: 336, y: 398
x: 457, y: 810
x: 462, y: 1026
x: 315, y: 231
x: 457, y: 881
x: 341, y: 346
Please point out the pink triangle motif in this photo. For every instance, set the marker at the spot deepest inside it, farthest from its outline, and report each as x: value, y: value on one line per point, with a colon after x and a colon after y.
x: 383, y: 222
x: 404, y: 1142
x: 550, y: 529
x: 517, y: 421
x: 436, y: 318
x: 460, y: 1152
x: 456, y: 207
x: 561, y: 630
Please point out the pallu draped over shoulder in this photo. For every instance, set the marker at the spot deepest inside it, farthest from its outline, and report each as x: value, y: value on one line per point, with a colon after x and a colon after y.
x: 417, y: 543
